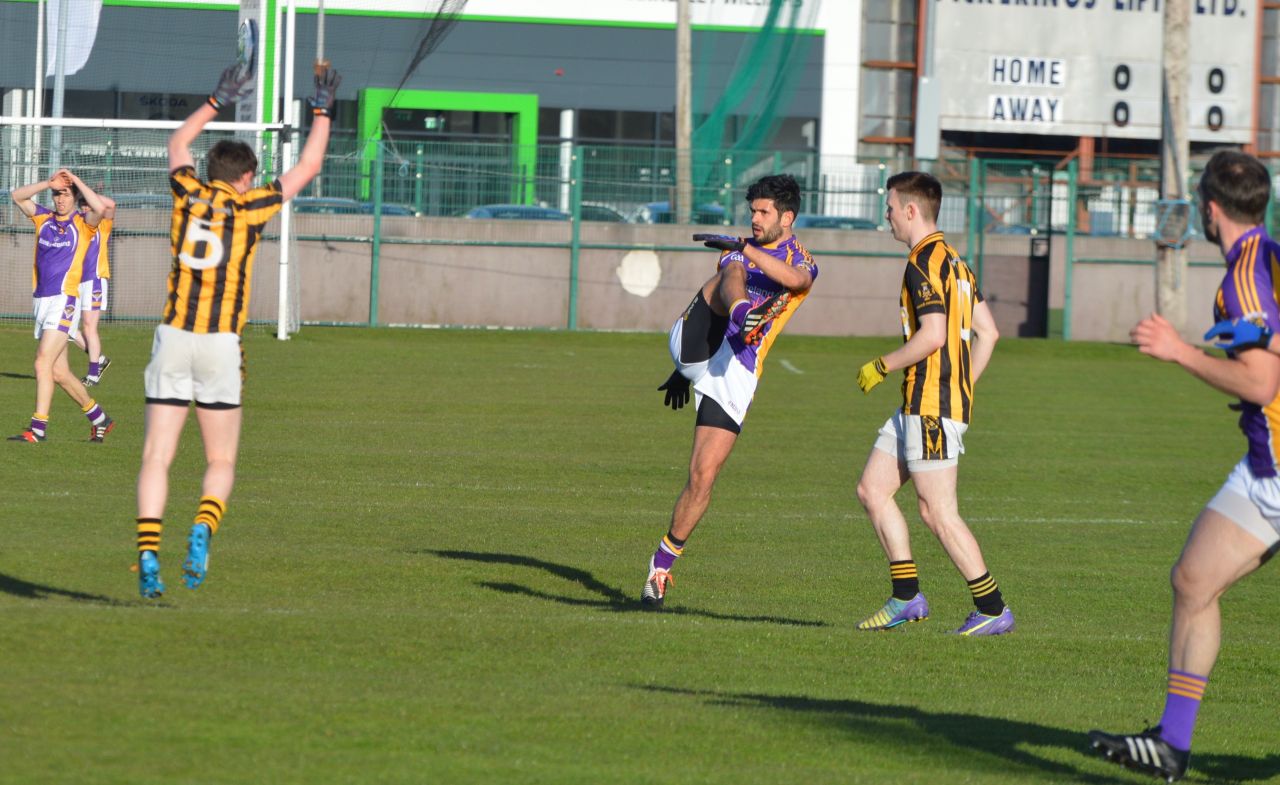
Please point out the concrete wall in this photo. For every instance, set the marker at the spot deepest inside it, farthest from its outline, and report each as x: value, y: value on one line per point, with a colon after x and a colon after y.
x: 625, y: 286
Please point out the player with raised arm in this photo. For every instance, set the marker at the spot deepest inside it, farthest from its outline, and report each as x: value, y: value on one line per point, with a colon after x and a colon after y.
x: 1239, y: 528
x: 196, y: 354
x: 63, y: 238
x: 949, y: 335
x: 719, y: 344
x: 94, y: 282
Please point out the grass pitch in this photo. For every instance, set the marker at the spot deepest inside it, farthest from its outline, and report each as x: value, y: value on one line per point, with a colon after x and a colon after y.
x: 429, y: 568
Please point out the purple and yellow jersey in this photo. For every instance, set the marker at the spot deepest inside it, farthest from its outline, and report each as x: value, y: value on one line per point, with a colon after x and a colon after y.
x: 938, y: 281
x: 761, y: 287
x: 59, y: 256
x: 1248, y: 291
x: 95, y: 261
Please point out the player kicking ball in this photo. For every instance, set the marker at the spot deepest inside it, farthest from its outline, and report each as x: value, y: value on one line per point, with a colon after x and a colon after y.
x: 719, y: 344
x: 196, y: 355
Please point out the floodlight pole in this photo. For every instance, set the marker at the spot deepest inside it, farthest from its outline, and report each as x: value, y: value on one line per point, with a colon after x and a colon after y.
x: 59, y: 87
x: 684, y: 114
x: 1175, y: 150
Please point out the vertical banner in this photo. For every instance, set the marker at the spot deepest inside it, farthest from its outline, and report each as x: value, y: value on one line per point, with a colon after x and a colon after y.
x: 82, y: 31
x: 249, y: 49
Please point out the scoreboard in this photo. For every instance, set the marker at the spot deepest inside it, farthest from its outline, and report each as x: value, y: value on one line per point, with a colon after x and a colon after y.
x: 1090, y: 67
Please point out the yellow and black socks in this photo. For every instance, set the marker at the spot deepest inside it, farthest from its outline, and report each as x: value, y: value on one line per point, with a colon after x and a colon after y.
x: 149, y: 534
x: 906, y: 581
x: 210, y: 512
x: 986, y: 595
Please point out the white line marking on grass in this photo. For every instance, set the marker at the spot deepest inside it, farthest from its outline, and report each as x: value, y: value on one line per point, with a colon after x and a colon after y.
x: 1007, y: 519
x: 787, y: 364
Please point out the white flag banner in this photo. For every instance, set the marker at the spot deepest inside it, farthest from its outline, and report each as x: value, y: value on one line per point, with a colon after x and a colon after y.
x: 82, y: 29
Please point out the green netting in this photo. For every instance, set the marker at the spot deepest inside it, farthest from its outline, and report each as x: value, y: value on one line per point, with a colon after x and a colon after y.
x: 750, y: 102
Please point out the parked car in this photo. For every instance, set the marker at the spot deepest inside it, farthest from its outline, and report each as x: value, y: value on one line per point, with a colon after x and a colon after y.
x: 516, y: 212
x: 660, y: 213
x: 328, y: 205
x: 601, y: 212
x: 808, y: 221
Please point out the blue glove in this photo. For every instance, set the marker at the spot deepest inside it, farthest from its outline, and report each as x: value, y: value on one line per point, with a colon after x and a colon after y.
x: 1236, y: 334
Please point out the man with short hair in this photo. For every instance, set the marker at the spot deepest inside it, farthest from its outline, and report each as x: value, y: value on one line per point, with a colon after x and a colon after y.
x: 949, y: 335
x: 62, y: 240
x: 1239, y: 528
x: 196, y: 355
x: 94, y: 283
x: 719, y: 344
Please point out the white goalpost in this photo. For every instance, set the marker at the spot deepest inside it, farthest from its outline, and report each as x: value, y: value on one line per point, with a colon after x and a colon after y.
x: 127, y: 160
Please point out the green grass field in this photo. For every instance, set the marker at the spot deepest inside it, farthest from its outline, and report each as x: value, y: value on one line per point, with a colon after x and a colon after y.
x: 429, y: 569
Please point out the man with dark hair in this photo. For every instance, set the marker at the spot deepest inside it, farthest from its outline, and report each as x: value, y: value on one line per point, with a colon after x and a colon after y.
x: 719, y: 344
x: 1239, y: 528
x: 63, y: 238
x: 196, y: 355
x: 948, y: 337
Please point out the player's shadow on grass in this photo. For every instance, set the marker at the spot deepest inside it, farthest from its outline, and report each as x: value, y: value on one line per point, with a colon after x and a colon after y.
x: 976, y: 742
x: 7, y: 375
x: 36, y: 591
x: 611, y: 598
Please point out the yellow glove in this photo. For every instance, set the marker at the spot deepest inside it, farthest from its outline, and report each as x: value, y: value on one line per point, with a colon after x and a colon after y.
x: 872, y: 374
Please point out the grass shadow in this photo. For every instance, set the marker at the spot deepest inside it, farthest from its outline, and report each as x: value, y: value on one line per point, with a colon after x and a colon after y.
x: 610, y: 598
x: 26, y: 590
x: 7, y: 375
x: 1003, y: 742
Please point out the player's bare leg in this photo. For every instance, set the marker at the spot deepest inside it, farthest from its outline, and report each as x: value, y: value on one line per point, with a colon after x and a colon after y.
x: 725, y: 289
x: 711, y: 448
x: 882, y: 477
x: 1218, y: 553
x: 220, y: 432
x: 936, y: 490
x: 90, y: 341
x: 161, y: 434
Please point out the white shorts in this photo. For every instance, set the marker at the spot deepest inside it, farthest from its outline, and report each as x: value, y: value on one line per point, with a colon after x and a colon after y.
x: 1252, y: 503
x: 200, y: 367
x: 57, y: 312
x: 722, y: 378
x: 93, y: 294
x: 925, y: 443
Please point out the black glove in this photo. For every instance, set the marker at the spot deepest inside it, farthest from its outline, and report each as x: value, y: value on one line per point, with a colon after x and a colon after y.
x: 232, y: 86
x: 327, y: 81
x: 722, y: 242
x: 677, y: 389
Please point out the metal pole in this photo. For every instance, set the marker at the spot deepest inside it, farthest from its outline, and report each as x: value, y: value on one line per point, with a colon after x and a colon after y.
x: 1175, y: 149
x: 59, y: 86
x: 286, y: 153
x: 1073, y: 183
x: 376, y: 251
x: 575, y: 238
x: 684, y: 114
x: 38, y: 110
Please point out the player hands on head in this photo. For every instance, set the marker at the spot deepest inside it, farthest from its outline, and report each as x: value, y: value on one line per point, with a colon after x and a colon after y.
x: 196, y: 355
x: 718, y: 345
x: 1239, y: 528
x: 63, y: 238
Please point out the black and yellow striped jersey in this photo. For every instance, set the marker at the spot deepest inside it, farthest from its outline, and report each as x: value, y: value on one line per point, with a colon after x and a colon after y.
x: 215, y: 235
x: 938, y: 281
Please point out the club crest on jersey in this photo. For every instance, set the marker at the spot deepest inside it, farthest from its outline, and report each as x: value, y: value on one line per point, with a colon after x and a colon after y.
x: 926, y: 291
